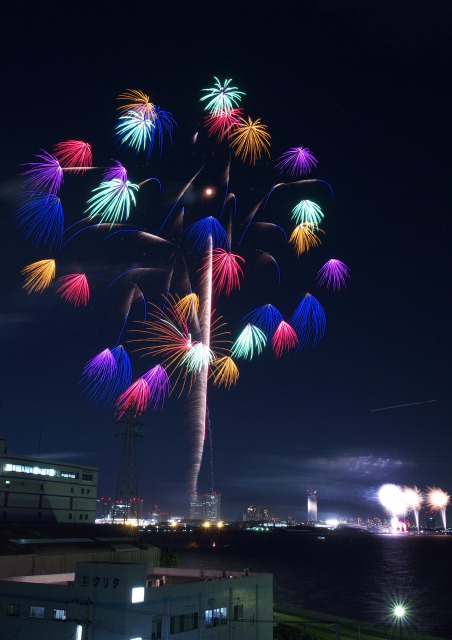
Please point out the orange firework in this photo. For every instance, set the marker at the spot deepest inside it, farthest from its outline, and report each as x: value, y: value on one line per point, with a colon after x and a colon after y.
x: 38, y: 275
x: 250, y: 140
x: 303, y: 237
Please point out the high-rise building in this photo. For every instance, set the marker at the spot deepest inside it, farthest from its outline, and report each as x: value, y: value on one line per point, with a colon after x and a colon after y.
x: 212, y: 506
x: 262, y: 514
x: 250, y: 514
x: 205, y: 506
x: 312, y: 505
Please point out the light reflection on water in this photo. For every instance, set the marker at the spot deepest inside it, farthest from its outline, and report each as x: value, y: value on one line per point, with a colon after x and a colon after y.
x: 355, y: 576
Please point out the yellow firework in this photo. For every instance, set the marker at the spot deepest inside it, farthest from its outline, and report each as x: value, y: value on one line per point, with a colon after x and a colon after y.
x: 38, y: 275
x: 188, y: 305
x: 250, y: 140
x: 139, y: 102
x: 225, y: 372
x: 303, y: 237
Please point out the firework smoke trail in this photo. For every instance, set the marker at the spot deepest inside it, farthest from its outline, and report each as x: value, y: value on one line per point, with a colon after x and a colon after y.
x: 198, y: 410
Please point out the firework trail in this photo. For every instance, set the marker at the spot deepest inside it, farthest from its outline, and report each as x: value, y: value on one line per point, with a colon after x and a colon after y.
x: 192, y: 260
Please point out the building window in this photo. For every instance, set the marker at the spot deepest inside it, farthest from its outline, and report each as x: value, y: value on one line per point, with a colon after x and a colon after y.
x: 238, y: 612
x: 59, y: 614
x: 86, y: 516
x: 70, y: 516
x: 12, y: 609
x: 87, y: 476
x: 72, y: 489
x: 215, y: 617
x: 80, y: 516
x: 36, y: 612
x: 83, y: 491
x: 138, y: 594
x: 156, y: 627
x: 78, y: 632
x: 184, y: 622
x: 87, y: 491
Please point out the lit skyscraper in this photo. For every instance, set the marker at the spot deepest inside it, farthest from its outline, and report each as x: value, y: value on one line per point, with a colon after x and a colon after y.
x: 312, y: 505
x: 205, y: 506
x: 212, y: 506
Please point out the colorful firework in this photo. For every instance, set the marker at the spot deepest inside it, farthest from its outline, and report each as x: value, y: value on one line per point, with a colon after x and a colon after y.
x: 39, y: 275
x: 250, y: 140
x: 221, y: 96
x: 297, y: 161
x: 74, y: 289
x: 333, y: 274
x: 192, y: 256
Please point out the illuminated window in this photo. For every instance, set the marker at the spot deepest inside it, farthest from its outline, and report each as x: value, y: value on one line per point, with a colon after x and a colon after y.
x: 138, y: 594
x: 78, y: 632
x: 36, y: 612
x: 12, y: 609
x: 59, y: 614
x: 215, y: 617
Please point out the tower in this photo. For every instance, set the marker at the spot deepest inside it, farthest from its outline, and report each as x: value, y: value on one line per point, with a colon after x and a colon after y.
x: 127, y: 505
x: 312, y: 505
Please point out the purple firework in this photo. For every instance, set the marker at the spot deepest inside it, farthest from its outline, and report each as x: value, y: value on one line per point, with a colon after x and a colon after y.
x: 333, y: 274
x: 297, y: 161
x: 45, y: 175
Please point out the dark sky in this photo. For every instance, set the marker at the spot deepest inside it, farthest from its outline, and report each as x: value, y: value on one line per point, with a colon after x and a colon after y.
x: 366, y: 86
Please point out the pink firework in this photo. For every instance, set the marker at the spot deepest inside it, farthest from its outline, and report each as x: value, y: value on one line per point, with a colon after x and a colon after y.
x: 333, y: 274
x: 222, y: 123
x: 297, y: 161
x: 284, y: 339
x: 135, y: 400
x: 226, y: 270
x: 74, y: 289
x: 74, y: 155
x: 44, y: 175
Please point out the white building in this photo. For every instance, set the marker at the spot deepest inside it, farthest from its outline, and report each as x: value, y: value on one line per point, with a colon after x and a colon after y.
x: 32, y: 489
x: 101, y: 601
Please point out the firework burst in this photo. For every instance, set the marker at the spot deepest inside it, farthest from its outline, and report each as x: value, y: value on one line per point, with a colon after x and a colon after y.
x: 185, y: 260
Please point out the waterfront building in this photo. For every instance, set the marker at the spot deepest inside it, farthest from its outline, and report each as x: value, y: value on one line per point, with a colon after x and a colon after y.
x: 312, y: 505
x: 132, y: 601
x: 33, y: 489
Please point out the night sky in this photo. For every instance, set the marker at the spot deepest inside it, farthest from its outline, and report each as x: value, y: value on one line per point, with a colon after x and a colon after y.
x: 366, y: 86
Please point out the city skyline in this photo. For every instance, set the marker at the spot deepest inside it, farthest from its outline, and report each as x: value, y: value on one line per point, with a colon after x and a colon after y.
x: 365, y: 90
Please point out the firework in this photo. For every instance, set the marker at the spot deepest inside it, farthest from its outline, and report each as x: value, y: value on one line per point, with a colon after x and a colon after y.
x: 221, y: 96
x: 74, y: 289
x: 74, y: 155
x: 41, y: 218
x: 307, y: 212
x: 297, y: 161
x: 185, y: 260
x: 303, y: 237
x: 45, y: 175
x: 413, y: 499
x: 39, y: 275
x: 112, y: 201
x: 333, y: 274
x: 438, y: 500
x: 250, y: 140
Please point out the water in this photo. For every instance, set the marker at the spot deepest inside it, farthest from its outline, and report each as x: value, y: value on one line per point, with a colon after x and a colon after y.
x: 346, y: 574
